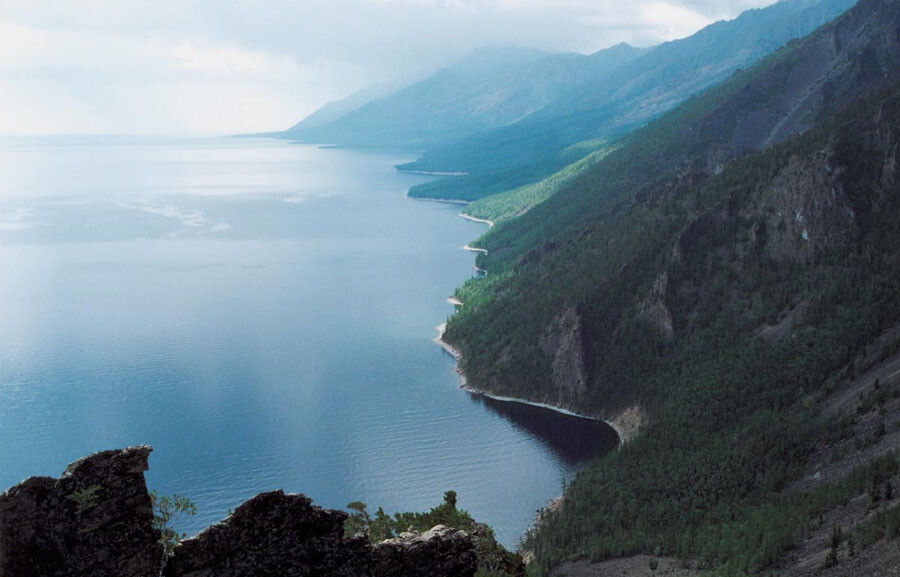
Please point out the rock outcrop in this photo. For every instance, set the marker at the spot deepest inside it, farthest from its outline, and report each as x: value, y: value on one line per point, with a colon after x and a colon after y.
x: 95, y: 520
x: 807, y: 208
x: 440, y: 551
x: 563, y: 343
x: 273, y: 534
x: 653, y: 309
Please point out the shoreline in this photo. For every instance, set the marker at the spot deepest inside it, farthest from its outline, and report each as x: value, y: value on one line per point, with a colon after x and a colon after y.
x: 444, y: 200
x: 555, y: 502
x: 432, y: 172
x: 451, y: 350
x: 454, y: 352
x: 464, y: 385
x: 490, y: 223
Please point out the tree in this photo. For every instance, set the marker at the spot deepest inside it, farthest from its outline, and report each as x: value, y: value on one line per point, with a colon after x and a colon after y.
x: 358, y: 521
x: 167, y: 510
x: 382, y: 526
x: 450, y: 499
x: 85, y: 498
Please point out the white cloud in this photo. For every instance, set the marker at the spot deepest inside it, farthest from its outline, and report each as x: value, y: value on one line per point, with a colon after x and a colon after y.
x: 671, y: 21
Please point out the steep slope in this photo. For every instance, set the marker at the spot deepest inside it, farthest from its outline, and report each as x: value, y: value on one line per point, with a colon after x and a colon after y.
x: 489, y: 88
x: 720, y: 272
x: 611, y: 104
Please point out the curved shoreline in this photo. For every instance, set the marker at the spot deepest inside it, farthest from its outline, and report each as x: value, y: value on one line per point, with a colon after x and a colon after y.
x: 464, y: 385
x: 454, y: 352
x: 490, y: 223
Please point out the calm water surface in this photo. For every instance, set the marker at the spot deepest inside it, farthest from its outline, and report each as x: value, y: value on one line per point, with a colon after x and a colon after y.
x: 262, y: 313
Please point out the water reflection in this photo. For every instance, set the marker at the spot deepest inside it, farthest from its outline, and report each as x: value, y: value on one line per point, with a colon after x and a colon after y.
x: 574, y: 440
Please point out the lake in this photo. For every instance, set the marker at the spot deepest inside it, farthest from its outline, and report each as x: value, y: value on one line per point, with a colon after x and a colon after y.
x: 262, y: 314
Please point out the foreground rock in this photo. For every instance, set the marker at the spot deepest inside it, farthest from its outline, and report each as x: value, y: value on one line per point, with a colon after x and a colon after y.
x: 440, y: 551
x: 273, y: 534
x: 95, y: 520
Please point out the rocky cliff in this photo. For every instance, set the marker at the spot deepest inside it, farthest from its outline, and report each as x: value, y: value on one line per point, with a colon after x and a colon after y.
x: 97, y: 520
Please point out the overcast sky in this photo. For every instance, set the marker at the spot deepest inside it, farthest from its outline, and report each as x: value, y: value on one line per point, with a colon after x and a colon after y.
x: 226, y: 66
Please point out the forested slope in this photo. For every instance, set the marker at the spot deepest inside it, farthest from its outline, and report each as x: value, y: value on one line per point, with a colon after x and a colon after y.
x: 721, y: 272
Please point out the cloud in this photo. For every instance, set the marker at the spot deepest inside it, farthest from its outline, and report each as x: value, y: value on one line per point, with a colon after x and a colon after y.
x: 92, y: 80
x: 213, y: 66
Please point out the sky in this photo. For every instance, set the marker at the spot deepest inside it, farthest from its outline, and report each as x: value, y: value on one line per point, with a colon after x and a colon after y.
x: 215, y: 67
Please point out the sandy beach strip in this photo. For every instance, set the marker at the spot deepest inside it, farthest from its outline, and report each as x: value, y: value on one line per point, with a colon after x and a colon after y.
x: 490, y: 223
x: 432, y: 172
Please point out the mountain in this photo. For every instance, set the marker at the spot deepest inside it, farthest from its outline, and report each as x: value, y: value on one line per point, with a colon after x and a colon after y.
x: 335, y: 110
x: 722, y: 285
x: 610, y: 104
x: 489, y: 88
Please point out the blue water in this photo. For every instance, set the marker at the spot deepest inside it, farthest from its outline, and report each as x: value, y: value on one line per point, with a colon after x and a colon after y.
x: 262, y: 314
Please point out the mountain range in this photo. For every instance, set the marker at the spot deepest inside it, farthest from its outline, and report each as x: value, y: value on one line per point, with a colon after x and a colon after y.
x: 489, y: 88
x: 508, y: 117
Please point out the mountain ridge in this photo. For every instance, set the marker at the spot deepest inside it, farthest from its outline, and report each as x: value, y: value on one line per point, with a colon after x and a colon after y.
x: 613, y: 104
x: 487, y: 88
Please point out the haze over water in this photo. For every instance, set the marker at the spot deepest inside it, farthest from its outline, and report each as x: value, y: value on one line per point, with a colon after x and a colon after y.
x: 262, y: 313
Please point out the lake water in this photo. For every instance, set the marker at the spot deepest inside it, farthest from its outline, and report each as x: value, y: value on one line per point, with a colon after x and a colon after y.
x: 262, y: 313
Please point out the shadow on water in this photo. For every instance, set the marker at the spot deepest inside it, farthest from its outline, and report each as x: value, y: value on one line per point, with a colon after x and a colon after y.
x: 574, y: 440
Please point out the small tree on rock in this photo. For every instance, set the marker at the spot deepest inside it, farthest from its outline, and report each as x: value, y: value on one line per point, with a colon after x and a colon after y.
x: 167, y: 510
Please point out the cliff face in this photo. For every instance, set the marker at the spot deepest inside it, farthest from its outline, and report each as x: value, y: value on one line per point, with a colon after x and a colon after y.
x: 563, y: 342
x: 97, y: 520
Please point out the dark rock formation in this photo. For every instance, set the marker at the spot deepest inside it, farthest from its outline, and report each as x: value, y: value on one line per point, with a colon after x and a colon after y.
x: 281, y: 535
x: 807, y: 209
x: 653, y: 309
x: 273, y: 534
x: 95, y: 520
x: 562, y: 341
x: 440, y: 551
